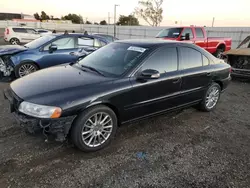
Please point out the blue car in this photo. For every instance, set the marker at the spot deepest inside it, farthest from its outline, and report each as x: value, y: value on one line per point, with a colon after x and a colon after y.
x: 46, y: 51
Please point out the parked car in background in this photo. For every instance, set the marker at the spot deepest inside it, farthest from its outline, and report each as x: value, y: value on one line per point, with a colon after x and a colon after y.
x: 43, y: 32
x: 110, y: 38
x: 119, y: 83
x: 198, y: 36
x: 19, y: 35
x: 239, y: 59
x: 46, y: 51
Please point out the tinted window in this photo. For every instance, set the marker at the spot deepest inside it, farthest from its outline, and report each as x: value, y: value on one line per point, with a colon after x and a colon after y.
x: 164, y: 60
x: 19, y: 30
x: 170, y: 33
x: 199, y: 33
x: 63, y: 43
x: 190, y: 58
x: 114, y: 59
x: 188, y: 30
x: 205, y: 60
x: 84, y: 41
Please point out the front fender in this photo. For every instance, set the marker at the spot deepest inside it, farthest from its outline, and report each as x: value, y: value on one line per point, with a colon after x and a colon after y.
x: 21, y: 57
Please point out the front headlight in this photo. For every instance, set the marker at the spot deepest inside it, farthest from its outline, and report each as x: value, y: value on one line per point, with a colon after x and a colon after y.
x: 40, y: 111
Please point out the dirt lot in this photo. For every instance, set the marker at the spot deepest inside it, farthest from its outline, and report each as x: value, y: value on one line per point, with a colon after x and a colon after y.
x: 189, y: 149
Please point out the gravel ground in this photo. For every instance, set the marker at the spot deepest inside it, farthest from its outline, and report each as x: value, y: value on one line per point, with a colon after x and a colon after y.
x: 187, y: 149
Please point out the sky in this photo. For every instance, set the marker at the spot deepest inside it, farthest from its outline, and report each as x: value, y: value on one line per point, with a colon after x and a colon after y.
x: 185, y: 12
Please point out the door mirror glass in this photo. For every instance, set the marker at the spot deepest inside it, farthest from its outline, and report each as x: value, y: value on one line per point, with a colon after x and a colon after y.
x: 185, y: 37
x: 149, y: 74
x: 52, y: 48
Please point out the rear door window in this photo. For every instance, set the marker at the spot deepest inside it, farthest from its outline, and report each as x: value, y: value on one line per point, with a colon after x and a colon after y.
x: 19, y: 30
x: 199, y: 33
x: 85, y: 41
x: 190, y: 58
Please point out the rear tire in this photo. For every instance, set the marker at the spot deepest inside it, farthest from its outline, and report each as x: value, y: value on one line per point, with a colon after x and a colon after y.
x: 24, y: 69
x: 14, y: 41
x: 211, y: 98
x: 94, y: 128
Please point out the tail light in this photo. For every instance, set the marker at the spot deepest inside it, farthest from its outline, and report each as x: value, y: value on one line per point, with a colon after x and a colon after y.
x: 7, y: 31
x: 230, y: 70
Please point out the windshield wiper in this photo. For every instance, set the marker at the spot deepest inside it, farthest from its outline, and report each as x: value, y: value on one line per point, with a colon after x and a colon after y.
x: 93, y: 69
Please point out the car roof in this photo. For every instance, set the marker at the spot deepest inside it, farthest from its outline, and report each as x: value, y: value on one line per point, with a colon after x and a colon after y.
x: 20, y: 27
x: 147, y: 43
x: 102, y: 34
x: 81, y: 35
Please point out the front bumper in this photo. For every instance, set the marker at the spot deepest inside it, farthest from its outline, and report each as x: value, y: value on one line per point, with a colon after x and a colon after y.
x: 59, y: 127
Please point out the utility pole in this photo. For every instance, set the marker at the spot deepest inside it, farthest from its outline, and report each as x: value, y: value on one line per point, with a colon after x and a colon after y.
x: 213, y: 22
x: 109, y: 18
x: 115, y: 20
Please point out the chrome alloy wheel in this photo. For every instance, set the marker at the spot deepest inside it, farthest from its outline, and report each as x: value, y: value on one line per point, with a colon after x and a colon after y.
x: 97, y: 129
x: 26, y: 69
x: 212, y: 97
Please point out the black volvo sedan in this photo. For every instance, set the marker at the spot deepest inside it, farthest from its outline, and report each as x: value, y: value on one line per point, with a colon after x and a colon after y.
x: 122, y: 82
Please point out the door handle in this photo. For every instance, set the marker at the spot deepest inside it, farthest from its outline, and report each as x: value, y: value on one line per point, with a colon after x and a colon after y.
x: 72, y: 53
x: 209, y: 73
x: 177, y: 80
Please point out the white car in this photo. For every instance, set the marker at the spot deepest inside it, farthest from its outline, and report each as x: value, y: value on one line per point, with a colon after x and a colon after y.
x: 18, y: 35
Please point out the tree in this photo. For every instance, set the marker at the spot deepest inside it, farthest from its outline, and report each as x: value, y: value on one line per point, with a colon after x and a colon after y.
x: 96, y: 23
x: 88, y: 22
x: 44, y: 16
x: 37, y: 17
x: 103, y: 22
x: 151, y: 11
x: 128, y: 20
x: 73, y: 17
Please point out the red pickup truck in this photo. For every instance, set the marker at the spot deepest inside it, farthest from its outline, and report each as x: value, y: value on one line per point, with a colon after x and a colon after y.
x: 198, y: 36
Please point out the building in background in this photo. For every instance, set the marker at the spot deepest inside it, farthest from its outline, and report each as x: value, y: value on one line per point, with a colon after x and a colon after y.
x: 10, y: 16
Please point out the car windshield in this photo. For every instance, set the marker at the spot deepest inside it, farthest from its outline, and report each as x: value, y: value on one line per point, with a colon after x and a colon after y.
x: 114, y: 59
x: 39, y: 42
x: 170, y: 33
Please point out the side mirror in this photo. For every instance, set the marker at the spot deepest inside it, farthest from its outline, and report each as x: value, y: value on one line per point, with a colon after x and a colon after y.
x: 186, y: 37
x: 52, y: 48
x: 149, y: 74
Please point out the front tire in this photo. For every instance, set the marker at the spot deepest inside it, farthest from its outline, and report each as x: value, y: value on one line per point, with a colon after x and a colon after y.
x: 24, y: 69
x: 211, y: 98
x: 94, y: 129
x: 14, y: 41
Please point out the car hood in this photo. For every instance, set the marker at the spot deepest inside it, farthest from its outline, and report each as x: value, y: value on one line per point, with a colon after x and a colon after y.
x: 11, y: 49
x: 238, y: 51
x: 55, y: 83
